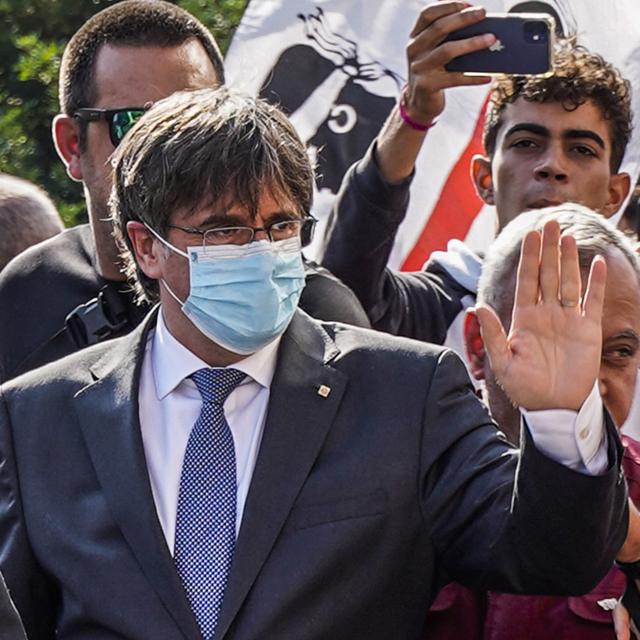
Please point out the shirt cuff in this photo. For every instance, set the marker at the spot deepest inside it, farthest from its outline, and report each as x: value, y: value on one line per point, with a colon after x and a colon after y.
x: 577, y: 440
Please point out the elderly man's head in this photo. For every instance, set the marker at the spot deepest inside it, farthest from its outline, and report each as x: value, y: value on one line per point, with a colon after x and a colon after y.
x: 621, y: 317
x: 206, y: 159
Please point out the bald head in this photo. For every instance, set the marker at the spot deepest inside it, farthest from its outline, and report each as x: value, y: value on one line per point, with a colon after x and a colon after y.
x: 27, y: 216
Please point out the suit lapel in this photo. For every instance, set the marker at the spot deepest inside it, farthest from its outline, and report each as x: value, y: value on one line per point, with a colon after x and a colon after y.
x: 108, y: 412
x: 299, y: 417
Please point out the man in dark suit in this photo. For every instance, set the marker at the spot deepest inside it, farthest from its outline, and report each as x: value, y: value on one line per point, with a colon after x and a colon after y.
x: 343, y: 474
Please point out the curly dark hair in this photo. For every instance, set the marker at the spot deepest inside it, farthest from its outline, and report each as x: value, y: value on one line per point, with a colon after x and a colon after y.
x: 579, y: 76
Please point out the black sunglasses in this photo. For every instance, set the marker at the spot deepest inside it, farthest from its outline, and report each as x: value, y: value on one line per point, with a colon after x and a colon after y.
x: 119, y: 120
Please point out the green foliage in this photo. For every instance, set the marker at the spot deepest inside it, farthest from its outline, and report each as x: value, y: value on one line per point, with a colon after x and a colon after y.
x: 33, y: 34
x: 221, y: 16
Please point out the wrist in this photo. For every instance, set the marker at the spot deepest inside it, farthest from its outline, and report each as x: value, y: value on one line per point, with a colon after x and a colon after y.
x: 415, y: 123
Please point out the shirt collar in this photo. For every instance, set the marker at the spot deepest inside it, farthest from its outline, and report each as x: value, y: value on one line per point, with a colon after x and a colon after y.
x: 172, y: 362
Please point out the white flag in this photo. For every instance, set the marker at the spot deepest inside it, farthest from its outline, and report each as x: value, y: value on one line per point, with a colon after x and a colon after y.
x: 337, y: 67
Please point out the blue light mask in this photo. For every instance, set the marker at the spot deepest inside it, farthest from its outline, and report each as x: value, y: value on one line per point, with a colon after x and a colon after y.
x: 242, y: 297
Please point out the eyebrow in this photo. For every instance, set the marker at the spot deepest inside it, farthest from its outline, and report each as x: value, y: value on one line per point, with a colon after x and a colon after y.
x: 218, y: 217
x: 235, y: 219
x: 627, y: 334
x: 569, y: 134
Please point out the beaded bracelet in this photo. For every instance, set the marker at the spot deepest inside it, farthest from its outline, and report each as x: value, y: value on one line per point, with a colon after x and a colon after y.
x: 407, y: 119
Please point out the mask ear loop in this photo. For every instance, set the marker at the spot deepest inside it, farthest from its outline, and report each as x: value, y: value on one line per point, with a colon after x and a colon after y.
x: 163, y: 282
x: 166, y: 243
x: 175, y: 250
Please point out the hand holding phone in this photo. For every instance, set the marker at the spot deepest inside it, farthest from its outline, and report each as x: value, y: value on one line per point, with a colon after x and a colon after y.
x: 428, y: 52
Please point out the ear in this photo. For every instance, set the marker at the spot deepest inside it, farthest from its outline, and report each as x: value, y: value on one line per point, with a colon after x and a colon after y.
x: 619, y: 186
x: 482, y: 179
x: 146, y: 250
x: 66, y: 138
x: 474, y: 345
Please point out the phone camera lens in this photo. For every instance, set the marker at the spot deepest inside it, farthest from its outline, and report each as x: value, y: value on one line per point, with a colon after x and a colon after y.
x: 536, y: 32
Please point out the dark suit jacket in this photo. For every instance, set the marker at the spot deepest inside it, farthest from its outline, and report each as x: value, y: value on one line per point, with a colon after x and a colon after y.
x: 360, y: 502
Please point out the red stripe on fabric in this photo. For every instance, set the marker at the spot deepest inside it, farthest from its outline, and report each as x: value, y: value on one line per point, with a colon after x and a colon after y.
x: 457, y: 205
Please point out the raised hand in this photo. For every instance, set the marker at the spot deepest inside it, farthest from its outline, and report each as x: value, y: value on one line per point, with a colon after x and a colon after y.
x: 551, y: 357
x: 423, y: 98
x: 427, y: 55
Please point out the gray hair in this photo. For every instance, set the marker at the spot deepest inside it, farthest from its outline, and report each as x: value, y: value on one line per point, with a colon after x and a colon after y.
x: 27, y: 216
x: 593, y: 233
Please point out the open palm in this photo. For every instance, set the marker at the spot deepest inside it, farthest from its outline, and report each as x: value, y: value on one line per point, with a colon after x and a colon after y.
x: 551, y: 356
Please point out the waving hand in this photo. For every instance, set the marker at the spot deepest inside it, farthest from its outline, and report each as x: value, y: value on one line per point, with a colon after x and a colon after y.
x: 551, y: 356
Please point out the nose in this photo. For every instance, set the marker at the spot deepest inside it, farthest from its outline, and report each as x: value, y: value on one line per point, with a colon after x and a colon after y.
x: 551, y: 166
x: 260, y: 233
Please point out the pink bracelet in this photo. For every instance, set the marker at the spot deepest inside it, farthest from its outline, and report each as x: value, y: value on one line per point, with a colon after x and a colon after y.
x: 407, y: 119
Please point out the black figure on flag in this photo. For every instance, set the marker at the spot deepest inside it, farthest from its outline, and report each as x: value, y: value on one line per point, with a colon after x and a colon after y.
x: 337, y: 98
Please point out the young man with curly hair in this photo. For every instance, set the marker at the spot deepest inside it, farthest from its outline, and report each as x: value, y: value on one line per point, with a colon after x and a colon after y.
x: 548, y: 140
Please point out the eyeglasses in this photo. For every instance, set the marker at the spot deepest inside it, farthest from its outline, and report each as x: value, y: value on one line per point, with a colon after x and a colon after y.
x: 282, y: 230
x: 119, y: 120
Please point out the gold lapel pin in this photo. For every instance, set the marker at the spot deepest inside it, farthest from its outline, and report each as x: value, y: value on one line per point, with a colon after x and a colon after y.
x: 323, y: 390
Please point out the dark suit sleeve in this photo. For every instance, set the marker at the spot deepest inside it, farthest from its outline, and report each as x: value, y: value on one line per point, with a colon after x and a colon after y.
x: 512, y: 521
x: 363, y: 228
x: 10, y: 626
x: 28, y: 586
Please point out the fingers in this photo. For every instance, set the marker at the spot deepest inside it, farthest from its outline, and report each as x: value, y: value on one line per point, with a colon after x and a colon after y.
x: 434, y: 33
x: 621, y: 622
x: 570, y: 280
x: 594, y: 295
x: 494, y: 339
x: 527, y: 282
x: 550, y: 261
x: 438, y: 30
x: 549, y: 271
x: 435, y: 11
x: 428, y: 53
x: 438, y: 57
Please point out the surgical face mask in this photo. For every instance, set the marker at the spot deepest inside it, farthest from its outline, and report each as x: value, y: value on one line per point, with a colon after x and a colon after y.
x: 242, y: 297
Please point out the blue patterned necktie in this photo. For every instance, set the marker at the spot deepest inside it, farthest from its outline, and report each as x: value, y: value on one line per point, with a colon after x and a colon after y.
x: 206, y: 516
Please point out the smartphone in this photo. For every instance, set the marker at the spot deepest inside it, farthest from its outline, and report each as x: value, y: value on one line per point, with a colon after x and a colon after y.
x: 524, y: 45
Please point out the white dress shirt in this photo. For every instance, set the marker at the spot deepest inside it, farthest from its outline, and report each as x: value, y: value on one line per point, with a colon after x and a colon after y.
x: 170, y: 403
x: 575, y: 439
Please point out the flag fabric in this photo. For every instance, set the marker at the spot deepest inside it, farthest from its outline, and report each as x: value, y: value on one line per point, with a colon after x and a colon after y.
x: 338, y: 66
